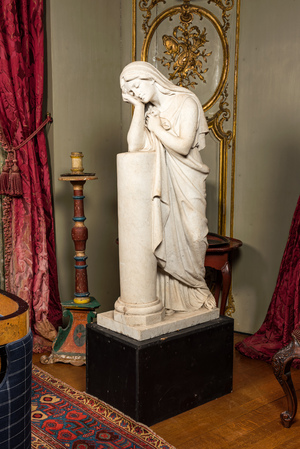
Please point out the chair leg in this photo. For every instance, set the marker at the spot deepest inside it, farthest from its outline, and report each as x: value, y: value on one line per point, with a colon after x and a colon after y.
x: 281, y: 364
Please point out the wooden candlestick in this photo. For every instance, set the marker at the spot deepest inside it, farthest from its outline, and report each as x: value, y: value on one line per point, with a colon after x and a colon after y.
x: 78, y: 178
x: 70, y: 343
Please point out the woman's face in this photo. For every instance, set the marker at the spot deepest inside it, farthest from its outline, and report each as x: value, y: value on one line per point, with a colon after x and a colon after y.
x: 143, y: 89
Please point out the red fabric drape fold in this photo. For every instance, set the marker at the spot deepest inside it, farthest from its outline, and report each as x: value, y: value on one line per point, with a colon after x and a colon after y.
x: 284, y: 311
x: 32, y: 269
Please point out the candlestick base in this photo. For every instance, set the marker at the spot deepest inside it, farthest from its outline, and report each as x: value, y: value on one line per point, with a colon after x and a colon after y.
x: 70, y: 343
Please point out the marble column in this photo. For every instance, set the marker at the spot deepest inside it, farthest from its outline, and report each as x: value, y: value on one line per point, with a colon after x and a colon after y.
x: 138, y: 304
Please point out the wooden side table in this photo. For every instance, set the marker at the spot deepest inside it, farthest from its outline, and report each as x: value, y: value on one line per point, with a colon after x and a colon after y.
x: 218, y: 257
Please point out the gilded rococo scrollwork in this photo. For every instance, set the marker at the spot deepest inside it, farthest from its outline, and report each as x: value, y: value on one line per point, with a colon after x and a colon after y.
x: 216, y: 125
x: 188, y: 56
x: 226, y: 6
x: 222, y: 115
x: 147, y: 6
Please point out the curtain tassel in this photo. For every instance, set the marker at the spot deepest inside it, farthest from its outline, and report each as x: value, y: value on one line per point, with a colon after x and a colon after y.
x: 4, y: 178
x: 15, y: 182
x: 10, y: 178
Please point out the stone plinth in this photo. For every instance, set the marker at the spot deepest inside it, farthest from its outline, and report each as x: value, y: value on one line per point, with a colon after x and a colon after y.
x: 171, y: 323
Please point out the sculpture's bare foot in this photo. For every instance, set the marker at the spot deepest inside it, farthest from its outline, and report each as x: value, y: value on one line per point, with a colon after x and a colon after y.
x: 169, y: 312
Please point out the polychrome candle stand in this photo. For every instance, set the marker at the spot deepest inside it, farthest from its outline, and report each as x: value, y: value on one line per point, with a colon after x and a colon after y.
x: 70, y: 343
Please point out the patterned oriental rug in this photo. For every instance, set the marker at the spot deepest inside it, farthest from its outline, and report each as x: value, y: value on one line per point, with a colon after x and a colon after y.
x: 66, y: 418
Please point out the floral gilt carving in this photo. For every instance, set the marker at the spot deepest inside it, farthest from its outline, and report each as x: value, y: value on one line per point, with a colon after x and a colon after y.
x: 184, y: 54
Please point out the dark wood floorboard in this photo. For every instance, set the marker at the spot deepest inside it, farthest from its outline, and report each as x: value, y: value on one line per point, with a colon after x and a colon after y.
x: 249, y: 417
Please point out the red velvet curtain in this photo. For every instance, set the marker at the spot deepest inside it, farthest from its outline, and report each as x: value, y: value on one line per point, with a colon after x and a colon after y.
x: 31, y: 271
x: 284, y: 311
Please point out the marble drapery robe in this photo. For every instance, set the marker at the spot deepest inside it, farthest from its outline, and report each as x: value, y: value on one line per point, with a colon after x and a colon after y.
x: 179, y: 215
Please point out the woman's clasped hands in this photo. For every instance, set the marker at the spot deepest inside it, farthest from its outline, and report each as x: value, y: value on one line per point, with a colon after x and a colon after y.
x: 152, y: 119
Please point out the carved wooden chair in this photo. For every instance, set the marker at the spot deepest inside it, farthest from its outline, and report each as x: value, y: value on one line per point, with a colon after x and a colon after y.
x: 281, y: 363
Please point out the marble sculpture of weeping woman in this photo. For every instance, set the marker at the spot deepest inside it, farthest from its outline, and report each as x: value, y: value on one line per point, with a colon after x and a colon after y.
x: 169, y: 120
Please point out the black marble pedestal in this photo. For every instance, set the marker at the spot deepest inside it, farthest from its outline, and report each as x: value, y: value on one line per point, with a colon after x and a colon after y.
x: 156, y: 379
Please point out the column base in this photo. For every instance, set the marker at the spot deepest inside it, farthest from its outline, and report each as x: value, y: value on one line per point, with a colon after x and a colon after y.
x: 138, y: 314
x: 139, y: 320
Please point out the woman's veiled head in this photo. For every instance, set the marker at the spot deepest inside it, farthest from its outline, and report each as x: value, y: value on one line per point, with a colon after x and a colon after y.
x: 145, y: 71
x: 141, y: 70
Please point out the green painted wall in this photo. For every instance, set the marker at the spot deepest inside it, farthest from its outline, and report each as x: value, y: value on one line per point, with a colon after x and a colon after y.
x: 268, y: 151
x: 85, y: 55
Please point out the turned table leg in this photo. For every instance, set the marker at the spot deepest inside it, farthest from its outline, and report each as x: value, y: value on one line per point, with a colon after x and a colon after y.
x: 218, y: 257
x: 226, y: 278
x: 281, y: 364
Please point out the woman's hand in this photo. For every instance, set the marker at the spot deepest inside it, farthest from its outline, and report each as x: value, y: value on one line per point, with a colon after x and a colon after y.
x: 136, y: 133
x: 132, y: 99
x: 153, y: 121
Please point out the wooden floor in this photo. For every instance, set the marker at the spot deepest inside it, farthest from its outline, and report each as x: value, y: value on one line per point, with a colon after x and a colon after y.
x: 249, y: 417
